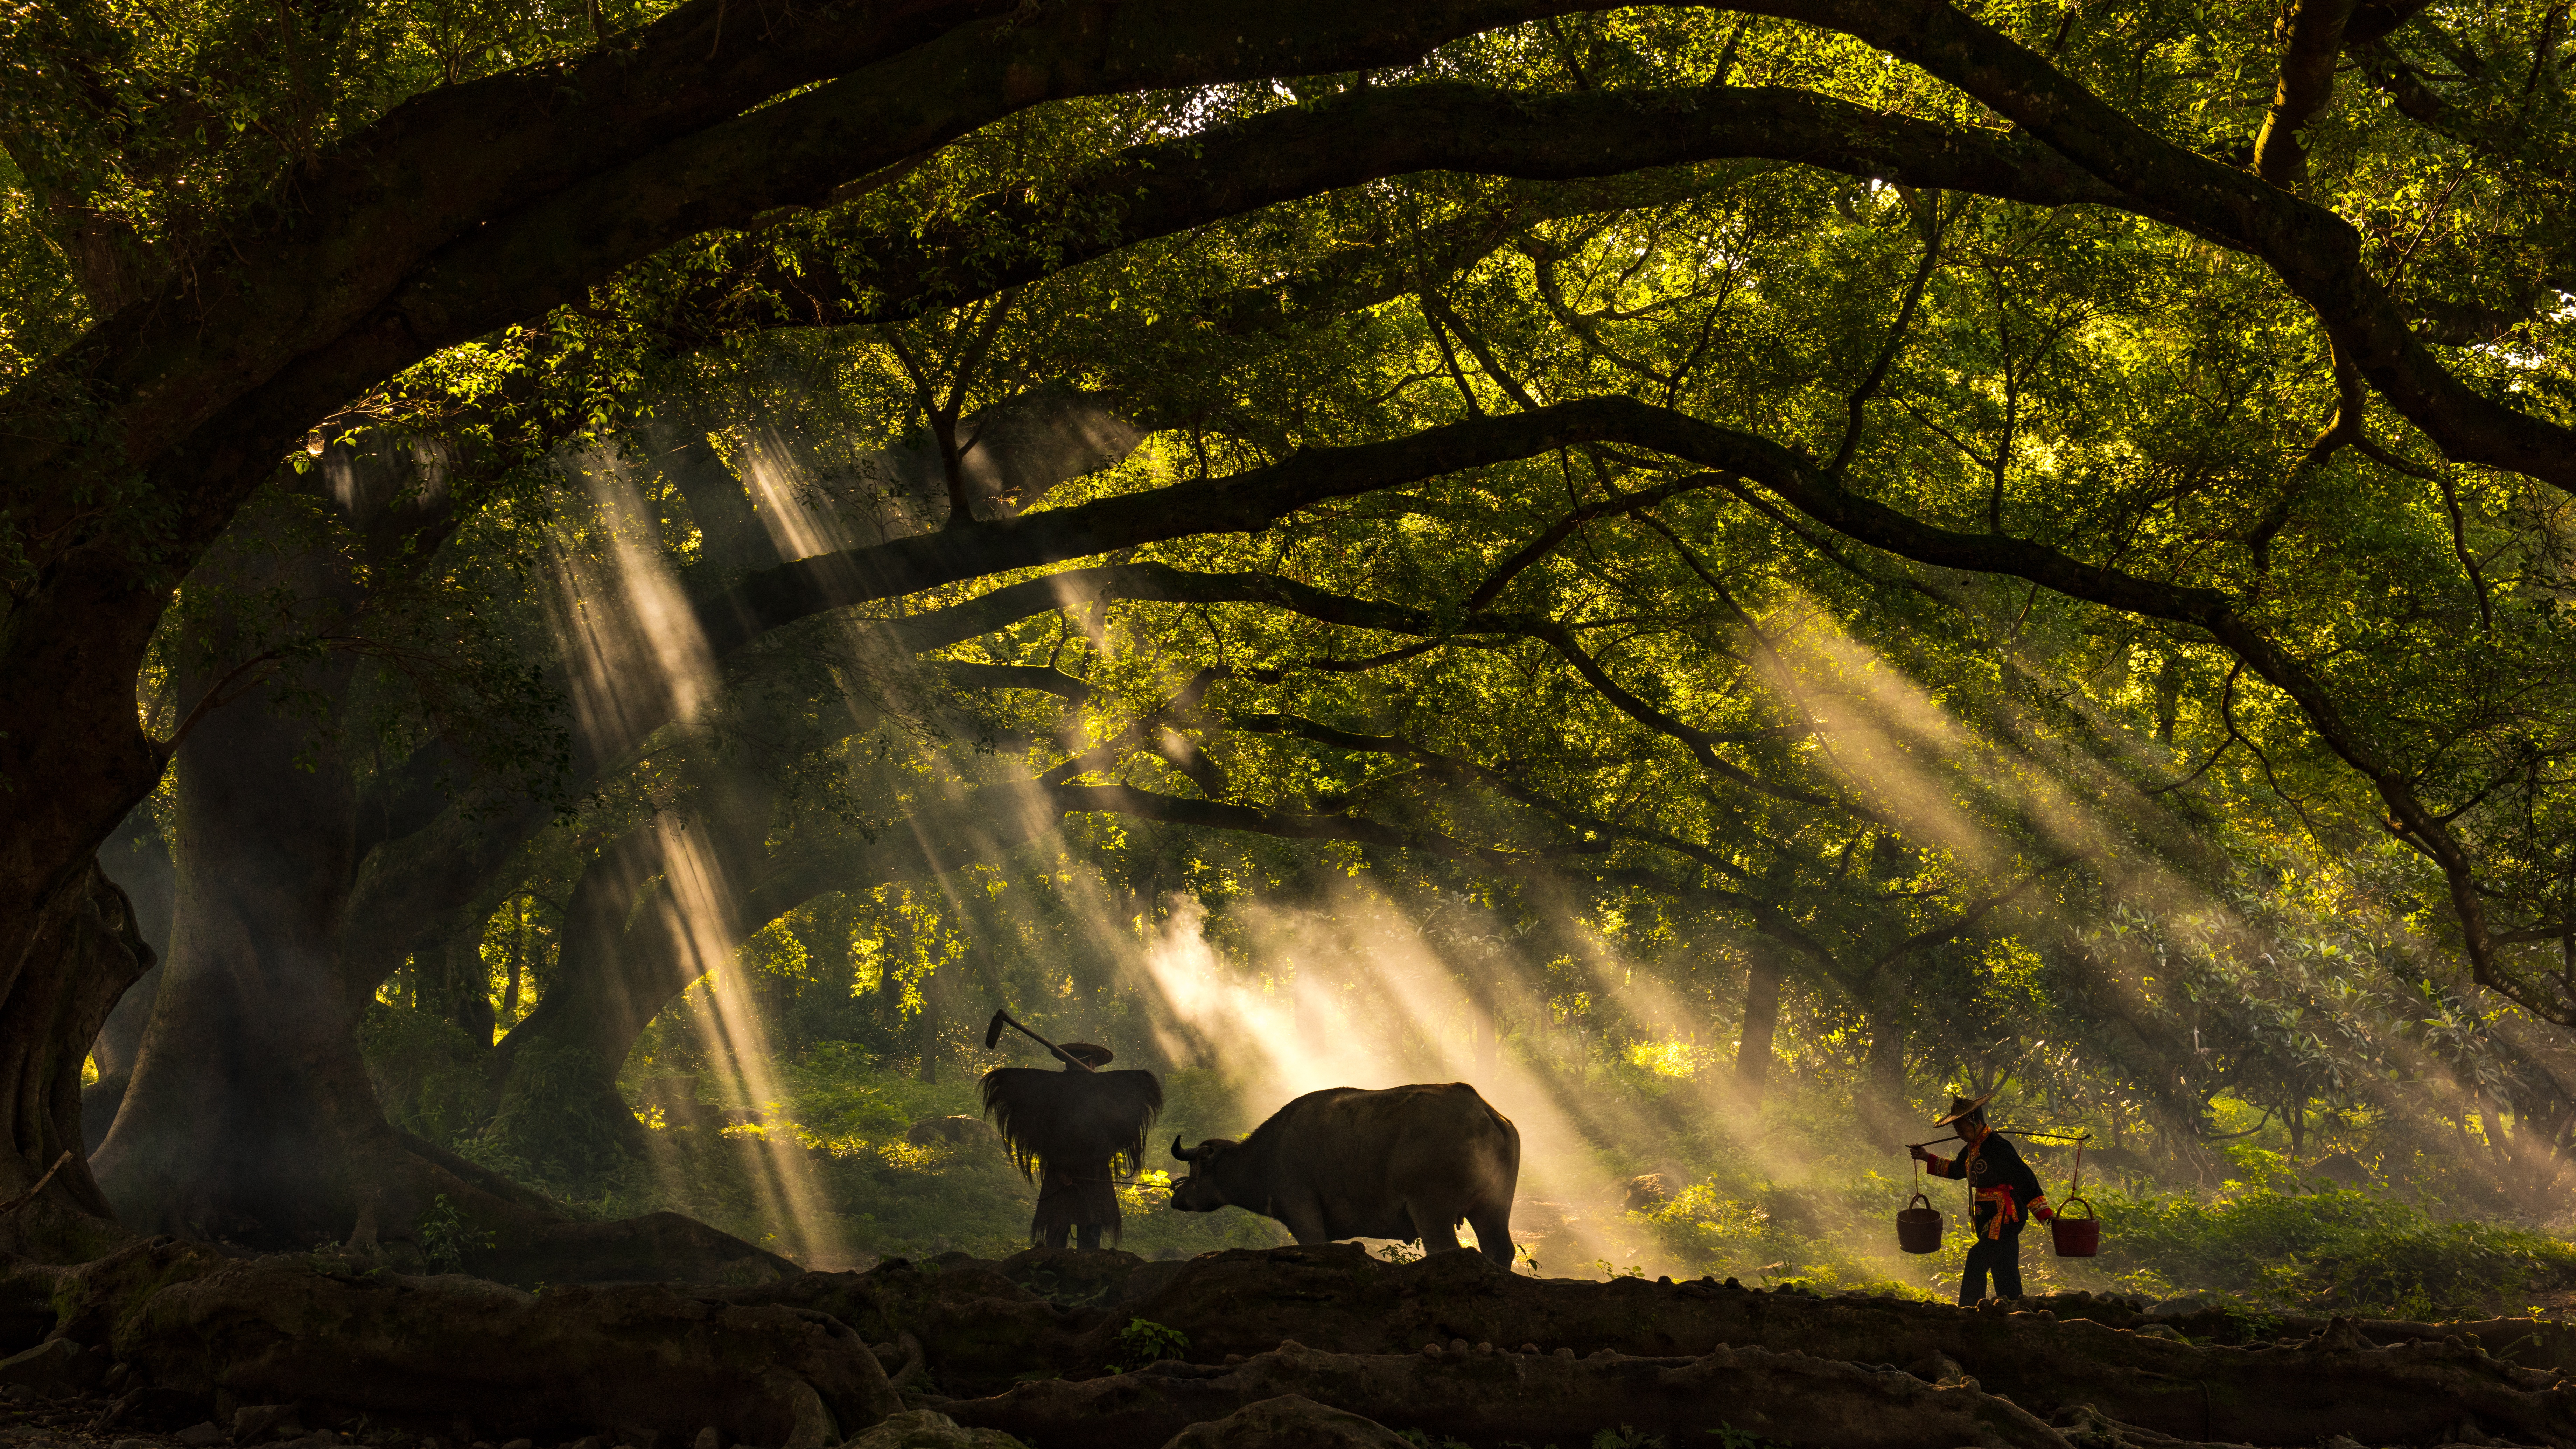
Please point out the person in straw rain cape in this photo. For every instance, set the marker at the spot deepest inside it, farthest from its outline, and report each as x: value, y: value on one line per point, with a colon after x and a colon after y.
x: 2007, y: 1195
x: 1074, y: 1132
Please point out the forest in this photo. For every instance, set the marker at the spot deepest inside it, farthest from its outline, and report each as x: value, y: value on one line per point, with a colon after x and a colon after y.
x: 591, y: 591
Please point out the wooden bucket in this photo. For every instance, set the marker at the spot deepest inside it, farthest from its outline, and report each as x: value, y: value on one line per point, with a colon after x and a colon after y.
x: 1918, y: 1226
x: 2075, y: 1237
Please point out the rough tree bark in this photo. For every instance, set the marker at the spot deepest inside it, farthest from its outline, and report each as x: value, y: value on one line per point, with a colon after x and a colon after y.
x: 343, y: 1338
x: 139, y: 861
x: 249, y: 1114
x: 248, y: 1093
x: 87, y: 940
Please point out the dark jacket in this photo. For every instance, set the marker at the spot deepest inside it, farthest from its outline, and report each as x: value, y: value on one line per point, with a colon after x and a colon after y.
x: 1994, y: 1163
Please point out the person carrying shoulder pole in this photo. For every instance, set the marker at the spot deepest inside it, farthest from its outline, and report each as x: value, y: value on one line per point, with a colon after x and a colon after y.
x: 2006, y: 1192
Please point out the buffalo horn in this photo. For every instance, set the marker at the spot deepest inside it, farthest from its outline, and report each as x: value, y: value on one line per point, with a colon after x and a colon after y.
x: 1180, y: 1153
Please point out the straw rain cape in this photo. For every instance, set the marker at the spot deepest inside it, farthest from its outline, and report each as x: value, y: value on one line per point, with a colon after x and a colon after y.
x: 1073, y: 1132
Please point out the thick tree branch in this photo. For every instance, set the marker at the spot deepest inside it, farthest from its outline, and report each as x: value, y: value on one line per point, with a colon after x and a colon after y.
x: 1799, y: 484
x: 2313, y: 41
x: 1566, y: 527
x: 2316, y: 253
x: 1015, y: 237
x: 970, y: 674
x: 1244, y: 502
x: 1253, y: 500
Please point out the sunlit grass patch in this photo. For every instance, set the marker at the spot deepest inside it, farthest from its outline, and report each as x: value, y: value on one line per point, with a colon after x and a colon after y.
x: 1682, y: 1059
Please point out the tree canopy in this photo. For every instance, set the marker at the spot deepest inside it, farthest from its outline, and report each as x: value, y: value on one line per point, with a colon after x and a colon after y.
x: 2032, y: 529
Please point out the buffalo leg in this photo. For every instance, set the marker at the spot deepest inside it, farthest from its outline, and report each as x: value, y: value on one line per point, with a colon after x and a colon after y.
x: 1305, y: 1221
x: 1087, y: 1237
x: 1439, y: 1234
x: 1493, y: 1227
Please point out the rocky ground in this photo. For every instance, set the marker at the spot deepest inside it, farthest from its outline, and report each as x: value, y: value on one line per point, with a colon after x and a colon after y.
x: 167, y: 1344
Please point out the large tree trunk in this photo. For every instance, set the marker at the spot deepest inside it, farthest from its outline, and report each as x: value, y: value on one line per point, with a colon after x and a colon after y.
x: 553, y: 1078
x: 73, y: 762
x: 84, y: 952
x: 250, y: 1115
x: 138, y: 860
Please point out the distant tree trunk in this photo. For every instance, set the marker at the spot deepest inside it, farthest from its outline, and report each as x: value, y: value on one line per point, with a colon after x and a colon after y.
x: 465, y: 981
x: 612, y: 978
x: 140, y: 864
x: 930, y: 994
x: 552, y: 1081
x: 1762, y: 979
x: 518, y: 962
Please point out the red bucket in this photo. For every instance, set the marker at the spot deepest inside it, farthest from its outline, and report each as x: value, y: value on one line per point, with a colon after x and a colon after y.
x: 2074, y: 1237
x: 1918, y: 1226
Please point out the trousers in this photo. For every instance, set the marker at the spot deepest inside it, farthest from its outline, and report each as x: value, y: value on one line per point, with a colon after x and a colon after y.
x: 1999, y: 1256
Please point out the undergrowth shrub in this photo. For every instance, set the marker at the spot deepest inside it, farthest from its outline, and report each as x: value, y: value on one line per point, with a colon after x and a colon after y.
x: 427, y: 1072
x: 2342, y: 1251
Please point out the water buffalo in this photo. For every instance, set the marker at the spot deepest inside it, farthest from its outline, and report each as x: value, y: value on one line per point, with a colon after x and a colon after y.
x: 1406, y: 1162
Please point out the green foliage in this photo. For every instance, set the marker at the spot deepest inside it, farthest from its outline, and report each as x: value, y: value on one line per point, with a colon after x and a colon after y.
x: 560, y: 1119
x: 445, y: 1239
x: 1143, y: 1341
x: 1723, y: 1228
x: 2342, y: 1252
x: 1986, y: 834
x: 426, y: 1071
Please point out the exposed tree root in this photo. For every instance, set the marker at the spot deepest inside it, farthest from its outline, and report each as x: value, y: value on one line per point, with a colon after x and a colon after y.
x: 2335, y: 1381
x: 1450, y: 1346
x: 981, y: 1324
x: 342, y: 1339
x: 1489, y: 1397
x: 1289, y: 1422
x: 655, y: 1248
x: 987, y: 1324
